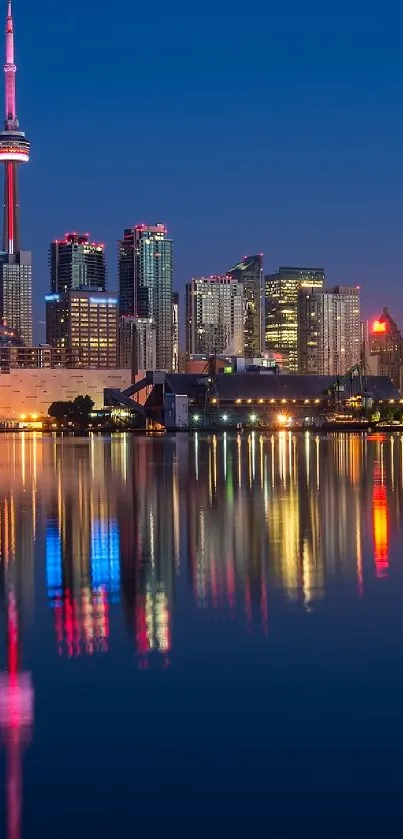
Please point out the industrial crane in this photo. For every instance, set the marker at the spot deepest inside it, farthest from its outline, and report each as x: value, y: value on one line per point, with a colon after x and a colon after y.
x: 338, y: 386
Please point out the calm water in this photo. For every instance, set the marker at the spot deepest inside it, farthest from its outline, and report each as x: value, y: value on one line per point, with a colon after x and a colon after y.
x: 201, y: 636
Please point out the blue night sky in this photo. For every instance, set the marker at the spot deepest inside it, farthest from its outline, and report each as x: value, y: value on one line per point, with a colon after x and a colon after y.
x: 243, y: 130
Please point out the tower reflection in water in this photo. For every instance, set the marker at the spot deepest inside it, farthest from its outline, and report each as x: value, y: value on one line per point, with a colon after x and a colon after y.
x: 17, y: 536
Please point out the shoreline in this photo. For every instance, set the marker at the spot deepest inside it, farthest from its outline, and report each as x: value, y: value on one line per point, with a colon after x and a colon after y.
x: 325, y: 428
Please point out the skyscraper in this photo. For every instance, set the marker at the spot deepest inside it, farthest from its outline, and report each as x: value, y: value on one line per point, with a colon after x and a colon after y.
x: 175, y: 332
x: 15, y: 265
x: 145, y: 283
x: 281, y: 308
x: 214, y: 316
x: 80, y: 315
x: 16, y: 293
x: 329, y: 330
x: 77, y: 264
x: 249, y: 272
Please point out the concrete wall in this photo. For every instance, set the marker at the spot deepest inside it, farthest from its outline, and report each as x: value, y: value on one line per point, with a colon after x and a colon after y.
x: 31, y: 391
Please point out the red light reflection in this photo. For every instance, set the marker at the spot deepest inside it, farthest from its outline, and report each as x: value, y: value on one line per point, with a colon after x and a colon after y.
x: 380, y: 524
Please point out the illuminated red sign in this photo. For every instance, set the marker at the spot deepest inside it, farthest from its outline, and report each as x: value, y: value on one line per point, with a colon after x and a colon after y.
x: 378, y: 327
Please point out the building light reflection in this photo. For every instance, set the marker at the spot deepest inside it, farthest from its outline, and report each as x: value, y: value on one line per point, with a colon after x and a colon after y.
x: 380, y: 524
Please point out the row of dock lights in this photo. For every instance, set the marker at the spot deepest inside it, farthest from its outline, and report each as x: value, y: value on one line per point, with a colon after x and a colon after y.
x: 282, y: 419
x: 225, y: 417
x: 273, y: 401
x: 294, y: 401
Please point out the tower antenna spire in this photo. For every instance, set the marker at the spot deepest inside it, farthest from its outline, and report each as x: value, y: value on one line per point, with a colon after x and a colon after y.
x: 10, y: 71
x: 14, y: 147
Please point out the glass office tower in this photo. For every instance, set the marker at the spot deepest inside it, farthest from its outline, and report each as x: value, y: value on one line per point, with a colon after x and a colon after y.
x: 282, y: 291
x: 145, y: 283
x: 77, y: 264
x: 249, y: 273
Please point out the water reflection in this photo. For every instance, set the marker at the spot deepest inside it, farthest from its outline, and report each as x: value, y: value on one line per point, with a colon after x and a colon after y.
x: 140, y: 535
x: 153, y: 529
x: 234, y: 516
x: 81, y: 546
x: 16, y: 714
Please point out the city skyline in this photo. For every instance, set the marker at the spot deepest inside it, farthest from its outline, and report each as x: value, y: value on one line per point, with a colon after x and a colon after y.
x: 331, y: 220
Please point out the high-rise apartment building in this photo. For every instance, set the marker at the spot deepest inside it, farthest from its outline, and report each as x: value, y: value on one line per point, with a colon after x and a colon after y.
x: 80, y: 315
x: 85, y: 322
x: 137, y: 343
x: 214, y: 316
x: 16, y: 293
x: 175, y: 331
x: 16, y: 265
x: 77, y: 264
x: 250, y: 273
x: 145, y: 282
x: 329, y: 330
x: 282, y: 291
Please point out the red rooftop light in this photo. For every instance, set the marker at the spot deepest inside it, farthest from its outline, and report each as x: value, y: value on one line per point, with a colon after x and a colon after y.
x: 378, y: 327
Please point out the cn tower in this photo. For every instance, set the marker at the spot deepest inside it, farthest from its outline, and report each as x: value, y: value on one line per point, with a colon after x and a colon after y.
x: 14, y: 147
x: 15, y: 264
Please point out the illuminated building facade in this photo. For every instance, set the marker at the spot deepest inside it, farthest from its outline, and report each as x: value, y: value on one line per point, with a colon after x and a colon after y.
x: 214, y: 315
x: 9, y: 338
x: 27, y: 391
x: 76, y: 264
x: 329, y: 330
x: 249, y: 272
x: 15, y: 264
x: 175, y: 332
x: 16, y: 293
x: 86, y: 322
x: 80, y: 315
x: 145, y: 283
x: 282, y: 291
x: 14, y: 355
x: 386, y: 348
x: 137, y: 343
